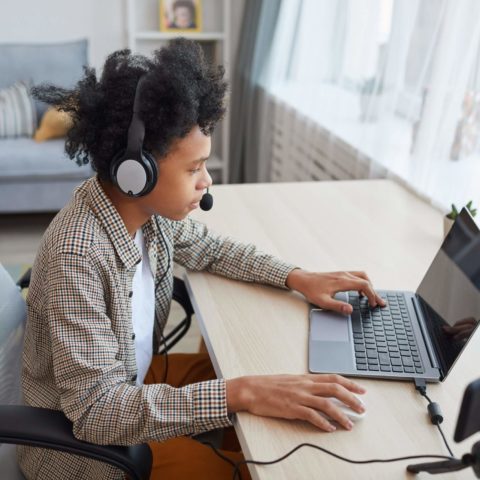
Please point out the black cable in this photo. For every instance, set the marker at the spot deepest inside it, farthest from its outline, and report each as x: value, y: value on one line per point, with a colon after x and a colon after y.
x: 165, y: 373
x: 421, y: 387
x: 237, y: 474
x: 167, y: 250
x: 162, y: 338
x: 427, y: 397
x: 445, y: 440
x: 221, y: 455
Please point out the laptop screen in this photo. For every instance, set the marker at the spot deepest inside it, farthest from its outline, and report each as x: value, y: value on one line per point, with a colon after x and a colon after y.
x: 450, y: 291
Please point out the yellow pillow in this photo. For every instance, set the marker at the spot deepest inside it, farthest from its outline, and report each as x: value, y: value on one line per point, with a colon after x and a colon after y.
x: 54, y: 124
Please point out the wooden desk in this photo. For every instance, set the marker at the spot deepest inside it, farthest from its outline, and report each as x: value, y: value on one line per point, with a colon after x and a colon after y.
x: 373, y: 225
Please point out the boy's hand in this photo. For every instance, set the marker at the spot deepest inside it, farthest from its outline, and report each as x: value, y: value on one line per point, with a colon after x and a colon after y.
x: 299, y: 397
x: 319, y: 288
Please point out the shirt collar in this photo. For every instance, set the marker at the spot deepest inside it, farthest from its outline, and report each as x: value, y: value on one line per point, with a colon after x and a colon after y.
x: 113, y: 224
x: 150, y: 232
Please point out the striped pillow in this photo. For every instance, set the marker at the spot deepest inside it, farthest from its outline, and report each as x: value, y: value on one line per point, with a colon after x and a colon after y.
x: 17, y: 112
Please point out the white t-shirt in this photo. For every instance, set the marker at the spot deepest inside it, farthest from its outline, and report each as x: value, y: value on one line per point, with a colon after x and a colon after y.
x: 143, y: 310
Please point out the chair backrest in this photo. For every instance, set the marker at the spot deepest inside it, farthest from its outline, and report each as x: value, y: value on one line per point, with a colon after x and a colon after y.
x: 12, y: 327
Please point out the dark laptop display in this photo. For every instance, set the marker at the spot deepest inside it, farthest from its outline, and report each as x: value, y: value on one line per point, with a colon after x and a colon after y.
x: 449, y: 294
x: 419, y: 334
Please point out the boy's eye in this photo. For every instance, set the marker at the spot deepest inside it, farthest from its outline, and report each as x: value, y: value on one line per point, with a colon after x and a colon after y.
x: 195, y: 170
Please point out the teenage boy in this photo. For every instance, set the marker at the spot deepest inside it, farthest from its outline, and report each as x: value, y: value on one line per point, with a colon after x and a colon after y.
x: 101, y: 285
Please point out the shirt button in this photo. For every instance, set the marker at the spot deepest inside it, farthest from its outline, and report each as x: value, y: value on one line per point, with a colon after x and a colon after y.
x: 130, y: 294
x: 134, y: 378
x: 133, y: 336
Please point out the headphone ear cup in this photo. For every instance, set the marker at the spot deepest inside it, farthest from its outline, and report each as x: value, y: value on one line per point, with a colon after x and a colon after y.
x: 129, y: 175
x: 134, y: 177
x: 118, y: 157
x: 152, y: 171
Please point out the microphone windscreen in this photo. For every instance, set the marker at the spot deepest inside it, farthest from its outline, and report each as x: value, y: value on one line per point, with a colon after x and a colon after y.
x: 206, y: 203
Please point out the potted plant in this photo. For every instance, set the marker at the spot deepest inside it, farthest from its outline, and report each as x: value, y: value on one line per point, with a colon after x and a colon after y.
x: 453, y: 214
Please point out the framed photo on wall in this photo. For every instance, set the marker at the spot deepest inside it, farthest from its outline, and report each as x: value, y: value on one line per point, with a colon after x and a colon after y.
x: 180, y: 15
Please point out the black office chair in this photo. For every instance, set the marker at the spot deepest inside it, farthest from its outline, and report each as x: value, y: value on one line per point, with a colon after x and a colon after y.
x: 45, y: 428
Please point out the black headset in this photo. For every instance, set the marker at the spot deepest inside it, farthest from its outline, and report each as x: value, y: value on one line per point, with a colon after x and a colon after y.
x: 134, y: 170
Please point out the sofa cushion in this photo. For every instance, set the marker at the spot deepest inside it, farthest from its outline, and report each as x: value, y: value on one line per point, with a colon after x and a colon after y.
x: 55, y: 124
x: 25, y: 158
x: 57, y: 63
x: 17, y: 112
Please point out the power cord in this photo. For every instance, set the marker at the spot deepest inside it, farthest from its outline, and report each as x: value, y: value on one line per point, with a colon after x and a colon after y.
x: 434, y: 411
x: 238, y: 476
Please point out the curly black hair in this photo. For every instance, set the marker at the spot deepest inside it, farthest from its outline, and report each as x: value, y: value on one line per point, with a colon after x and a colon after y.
x: 181, y: 90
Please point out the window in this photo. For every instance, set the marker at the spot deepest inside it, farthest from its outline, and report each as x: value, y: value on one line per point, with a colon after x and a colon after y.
x: 398, y: 80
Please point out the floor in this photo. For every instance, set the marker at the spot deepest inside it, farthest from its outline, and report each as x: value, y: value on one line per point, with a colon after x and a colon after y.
x: 20, y: 236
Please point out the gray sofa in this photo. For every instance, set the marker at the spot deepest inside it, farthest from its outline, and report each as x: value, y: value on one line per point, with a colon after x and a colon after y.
x: 39, y: 177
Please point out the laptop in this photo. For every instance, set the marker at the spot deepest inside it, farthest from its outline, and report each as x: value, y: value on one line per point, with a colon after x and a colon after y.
x: 417, y: 335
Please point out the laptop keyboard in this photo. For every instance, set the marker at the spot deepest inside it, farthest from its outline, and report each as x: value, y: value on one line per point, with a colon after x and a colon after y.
x: 383, y: 337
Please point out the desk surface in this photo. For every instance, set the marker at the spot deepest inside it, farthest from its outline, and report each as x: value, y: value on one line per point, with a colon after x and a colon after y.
x: 372, y: 225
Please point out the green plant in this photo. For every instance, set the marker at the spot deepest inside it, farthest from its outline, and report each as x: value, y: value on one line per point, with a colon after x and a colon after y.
x: 454, y: 212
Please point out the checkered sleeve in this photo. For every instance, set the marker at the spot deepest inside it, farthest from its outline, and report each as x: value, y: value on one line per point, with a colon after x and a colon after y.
x: 196, y: 248
x: 96, y: 392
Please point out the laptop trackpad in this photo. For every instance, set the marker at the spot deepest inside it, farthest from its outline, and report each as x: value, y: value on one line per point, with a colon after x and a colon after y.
x: 328, y: 326
x: 330, y: 349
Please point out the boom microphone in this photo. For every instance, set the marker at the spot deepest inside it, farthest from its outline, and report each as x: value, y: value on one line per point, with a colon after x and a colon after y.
x: 206, y: 203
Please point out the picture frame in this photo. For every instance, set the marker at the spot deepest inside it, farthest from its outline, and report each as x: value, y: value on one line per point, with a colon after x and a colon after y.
x: 180, y: 16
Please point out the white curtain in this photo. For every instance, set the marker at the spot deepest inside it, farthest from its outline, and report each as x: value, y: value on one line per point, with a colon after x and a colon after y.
x: 395, y: 80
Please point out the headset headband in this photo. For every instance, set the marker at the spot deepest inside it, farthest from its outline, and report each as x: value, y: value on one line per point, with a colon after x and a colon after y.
x: 136, y: 130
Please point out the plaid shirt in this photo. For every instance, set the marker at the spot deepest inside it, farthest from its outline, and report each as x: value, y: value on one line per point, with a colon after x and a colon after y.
x: 79, y: 354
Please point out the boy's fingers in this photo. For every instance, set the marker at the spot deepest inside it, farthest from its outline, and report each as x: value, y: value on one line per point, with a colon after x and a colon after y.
x: 330, y: 303
x: 315, y: 418
x: 361, y: 275
x: 334, y: 378
x: 378, y: 299
x: 361, y: 285
x: 326, y: 406
x: 335, y: 390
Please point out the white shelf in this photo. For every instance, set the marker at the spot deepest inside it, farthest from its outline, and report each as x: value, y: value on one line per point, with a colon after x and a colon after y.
x: 205, y: 36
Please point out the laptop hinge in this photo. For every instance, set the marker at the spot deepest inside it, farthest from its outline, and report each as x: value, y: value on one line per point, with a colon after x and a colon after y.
x: 432, y: 354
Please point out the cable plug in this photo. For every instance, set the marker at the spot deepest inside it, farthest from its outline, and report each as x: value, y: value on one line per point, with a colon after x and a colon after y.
x: 436, y: 415
x: 420, y: 386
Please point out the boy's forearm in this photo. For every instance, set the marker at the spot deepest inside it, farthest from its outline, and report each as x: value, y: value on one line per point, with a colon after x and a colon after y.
x: 295, y: 279
x: 237, y: 394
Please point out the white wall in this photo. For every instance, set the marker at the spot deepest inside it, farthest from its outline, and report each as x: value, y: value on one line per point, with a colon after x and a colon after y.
x: 101, y: 21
